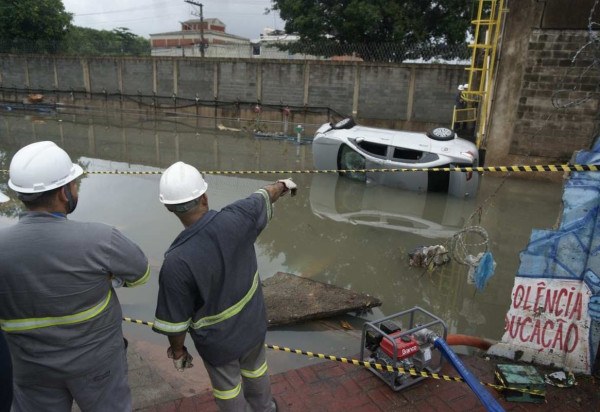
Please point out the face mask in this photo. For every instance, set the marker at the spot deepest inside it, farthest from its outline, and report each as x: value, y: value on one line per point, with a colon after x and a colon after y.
x: 72, y: 201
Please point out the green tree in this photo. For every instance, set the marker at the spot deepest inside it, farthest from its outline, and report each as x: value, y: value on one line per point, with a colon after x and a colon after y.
x: 390, y: 30
x: 32, y: 25
x: 90, y: 42
x: 131, y: 43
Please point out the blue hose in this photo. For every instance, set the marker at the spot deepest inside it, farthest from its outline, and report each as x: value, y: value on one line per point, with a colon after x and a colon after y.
x: 484, y: 396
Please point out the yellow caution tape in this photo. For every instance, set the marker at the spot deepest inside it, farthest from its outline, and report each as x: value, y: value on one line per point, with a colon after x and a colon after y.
x: 496, y: 169
x: 388, y: 368
x: 374, y: 365
x: 141, y: 322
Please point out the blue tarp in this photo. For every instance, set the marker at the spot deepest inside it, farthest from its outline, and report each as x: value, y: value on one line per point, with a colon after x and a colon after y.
x: 572, y: 251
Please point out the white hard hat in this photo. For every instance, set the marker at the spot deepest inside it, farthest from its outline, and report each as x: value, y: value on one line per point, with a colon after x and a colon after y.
x: 3, y: 198
x: 461, y: 87
x: 466, y: 86
x: 181, y: 183
x: 40, y: 167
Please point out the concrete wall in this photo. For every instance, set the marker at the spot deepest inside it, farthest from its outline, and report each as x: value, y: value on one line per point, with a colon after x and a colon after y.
x: 556, y: 103
x: 286, y: 77
x: 136, y: 77
x: 545, y: 100
x: 13, y: 71
x: 72, y: 74
x: 568, y: 14
x: 413, y: 96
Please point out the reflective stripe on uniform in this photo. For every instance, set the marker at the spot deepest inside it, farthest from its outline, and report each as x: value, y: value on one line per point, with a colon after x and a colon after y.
x: 18, y: 325
x: 141, y: 280
x: 229, y: 312
x: 230, y: 394
x: 265, y: 194
x: 255, y: 373
x: 165, y: 326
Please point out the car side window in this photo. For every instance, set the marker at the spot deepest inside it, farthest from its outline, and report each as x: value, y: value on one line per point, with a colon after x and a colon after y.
x: 407, y: 154
x: 375, y: 149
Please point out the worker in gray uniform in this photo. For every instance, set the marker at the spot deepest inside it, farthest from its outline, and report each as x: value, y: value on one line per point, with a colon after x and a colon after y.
x: 58, y: 310
x: 210, y: 286
x: 6, y: 383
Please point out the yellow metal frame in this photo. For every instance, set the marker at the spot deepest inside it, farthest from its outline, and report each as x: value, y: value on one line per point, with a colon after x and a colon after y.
x: 464, y: 115
x: 487, y: 28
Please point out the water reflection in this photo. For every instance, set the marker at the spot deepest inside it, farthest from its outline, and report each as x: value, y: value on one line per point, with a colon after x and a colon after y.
x: 157, y: 144
x: 335, y: 230
x: 429, y: 215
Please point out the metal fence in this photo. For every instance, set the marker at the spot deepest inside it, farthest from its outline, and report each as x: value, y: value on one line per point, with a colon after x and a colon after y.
x: 97, y: 47
x: 373, y: 52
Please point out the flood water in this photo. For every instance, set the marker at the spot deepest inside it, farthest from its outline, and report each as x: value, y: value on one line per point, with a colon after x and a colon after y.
x: 335, y: 230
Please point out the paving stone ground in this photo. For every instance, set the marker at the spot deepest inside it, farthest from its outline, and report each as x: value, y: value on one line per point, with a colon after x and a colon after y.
x: 334, y: 387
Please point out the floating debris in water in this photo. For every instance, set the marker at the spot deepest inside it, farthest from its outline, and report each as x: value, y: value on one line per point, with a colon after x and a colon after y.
x: 481, y: 269
x: 428, y: 256
x: 346, y: 325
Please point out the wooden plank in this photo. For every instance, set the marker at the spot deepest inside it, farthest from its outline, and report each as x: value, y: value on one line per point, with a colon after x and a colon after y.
x: 291, y: 299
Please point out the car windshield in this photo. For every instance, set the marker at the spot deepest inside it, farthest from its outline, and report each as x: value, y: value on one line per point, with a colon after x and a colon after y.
x: 351, y: 160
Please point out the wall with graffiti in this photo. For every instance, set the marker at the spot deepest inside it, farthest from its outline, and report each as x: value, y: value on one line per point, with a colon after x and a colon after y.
x: 554, y: 316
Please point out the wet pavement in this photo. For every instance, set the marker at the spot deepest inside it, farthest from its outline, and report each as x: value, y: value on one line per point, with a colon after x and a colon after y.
x: 329, y: 386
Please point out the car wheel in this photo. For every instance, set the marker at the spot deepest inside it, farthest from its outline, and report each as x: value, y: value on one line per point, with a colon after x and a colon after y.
x: 441, y: 133
x: 347, y: 123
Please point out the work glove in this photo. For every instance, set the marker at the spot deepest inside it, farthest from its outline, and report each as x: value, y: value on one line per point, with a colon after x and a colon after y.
x: 184, y: 362
x: 289, y: 185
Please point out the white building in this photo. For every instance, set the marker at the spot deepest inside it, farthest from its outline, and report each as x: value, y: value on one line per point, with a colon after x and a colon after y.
x: 265, y: 46
x: 187, y: 41
x: 218, y: 43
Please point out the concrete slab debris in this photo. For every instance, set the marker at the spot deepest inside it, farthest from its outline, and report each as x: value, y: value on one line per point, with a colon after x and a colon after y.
x: 291, y: 299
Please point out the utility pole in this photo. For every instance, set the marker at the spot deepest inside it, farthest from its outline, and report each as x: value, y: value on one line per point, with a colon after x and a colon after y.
x: 182, y: 40
x: 201, y: 24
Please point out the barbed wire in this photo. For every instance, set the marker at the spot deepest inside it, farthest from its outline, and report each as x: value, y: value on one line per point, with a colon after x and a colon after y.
x: 590, y: 50
x: 373, y: 52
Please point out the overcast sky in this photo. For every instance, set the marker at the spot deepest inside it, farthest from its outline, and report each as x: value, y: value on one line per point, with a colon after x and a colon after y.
x: 242, y: 17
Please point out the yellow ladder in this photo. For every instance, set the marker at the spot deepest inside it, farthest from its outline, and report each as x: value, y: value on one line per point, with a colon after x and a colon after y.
x: 487, y: 28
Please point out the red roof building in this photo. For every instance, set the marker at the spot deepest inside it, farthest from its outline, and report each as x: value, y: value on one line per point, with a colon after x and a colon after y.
x: 187, y: 41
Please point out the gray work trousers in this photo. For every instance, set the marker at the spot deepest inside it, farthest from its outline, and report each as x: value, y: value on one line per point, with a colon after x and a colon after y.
x: 243, y: 385
x: 105, y: 389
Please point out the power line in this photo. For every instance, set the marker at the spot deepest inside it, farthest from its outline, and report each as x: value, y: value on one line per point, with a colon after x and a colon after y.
x: 111, y: 22
x: 171, y: 5
x: 120, y: 10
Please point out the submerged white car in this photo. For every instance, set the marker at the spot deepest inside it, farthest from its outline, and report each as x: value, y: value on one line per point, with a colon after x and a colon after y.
x: 348, y: 146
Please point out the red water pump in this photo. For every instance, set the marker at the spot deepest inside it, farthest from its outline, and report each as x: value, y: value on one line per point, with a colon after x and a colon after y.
x: 399, y: 341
